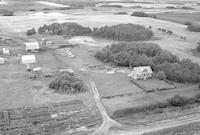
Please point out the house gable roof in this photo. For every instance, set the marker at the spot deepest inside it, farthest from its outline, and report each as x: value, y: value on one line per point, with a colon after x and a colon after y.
x: 142, y: 69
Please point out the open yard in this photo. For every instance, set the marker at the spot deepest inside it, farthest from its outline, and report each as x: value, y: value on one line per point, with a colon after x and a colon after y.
x: 151, y: 85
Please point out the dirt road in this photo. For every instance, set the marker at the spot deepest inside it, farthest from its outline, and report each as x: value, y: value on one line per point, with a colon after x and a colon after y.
x: 107, y: 121
x: 136, y: 129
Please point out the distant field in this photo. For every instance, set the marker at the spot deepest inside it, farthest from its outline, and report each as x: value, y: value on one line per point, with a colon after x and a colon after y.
x: 179, y: 17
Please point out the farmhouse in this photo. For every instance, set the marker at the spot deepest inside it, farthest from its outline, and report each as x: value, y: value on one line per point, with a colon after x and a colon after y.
x: 143, y: 72
x: 32, y: 46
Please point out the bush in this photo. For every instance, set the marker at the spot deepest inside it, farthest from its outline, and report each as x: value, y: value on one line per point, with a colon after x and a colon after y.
x: 198, y: 47
x: 121, y: 13
x: 178, y: 101
x: 140, y: 14
x: 188, y: 23
x: 31, y: 32
x: 123, y: 32
x: 67, y: 83
x: 194, y: 27
x: 160, y: 75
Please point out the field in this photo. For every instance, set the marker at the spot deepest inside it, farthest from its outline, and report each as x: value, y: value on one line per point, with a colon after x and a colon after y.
x: 192, y: 129
x: 19, y: 88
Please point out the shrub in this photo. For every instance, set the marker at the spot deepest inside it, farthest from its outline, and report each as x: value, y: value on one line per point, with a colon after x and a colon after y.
x: 194, y: 27
x: 121, y: 13
x: 177, y: 101
x: 67, y: 83
x: 32, y: 10
x: 198, y: 47
x: 123, y: 32
x: 140, y: 14
x: 31, y: 32
x: 161, y: 75
x: 188, y: 23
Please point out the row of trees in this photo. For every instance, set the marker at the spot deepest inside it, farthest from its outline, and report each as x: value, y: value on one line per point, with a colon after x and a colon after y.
x: 64, y: 29
x: 121, y: 32
x: 5, y: 12
x: 143, y: 54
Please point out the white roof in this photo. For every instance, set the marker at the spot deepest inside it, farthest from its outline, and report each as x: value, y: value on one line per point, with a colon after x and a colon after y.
x: 141, y: 69
x: 28, y: 59
x: 32, y: 45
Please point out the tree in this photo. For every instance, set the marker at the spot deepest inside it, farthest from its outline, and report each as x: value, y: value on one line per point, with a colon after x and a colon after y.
x: 198, y: 47
x: 31, y: 32
x: 161, y: 75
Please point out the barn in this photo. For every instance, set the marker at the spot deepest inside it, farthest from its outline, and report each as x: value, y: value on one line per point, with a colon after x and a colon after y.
x: 141, y: 73
x: 32, y: 46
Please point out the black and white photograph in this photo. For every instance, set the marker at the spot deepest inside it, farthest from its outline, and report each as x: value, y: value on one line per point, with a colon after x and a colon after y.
x: 99, y: 67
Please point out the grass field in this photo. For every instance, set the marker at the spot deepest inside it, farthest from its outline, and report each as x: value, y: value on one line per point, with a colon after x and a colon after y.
x: 189, y: 129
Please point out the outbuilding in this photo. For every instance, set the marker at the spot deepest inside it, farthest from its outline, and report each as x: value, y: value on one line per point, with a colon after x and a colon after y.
x: 28, y: 59
x: 141, y: 73
x: 6, y: 51
x: 32, y: 46
x: 2, y: 60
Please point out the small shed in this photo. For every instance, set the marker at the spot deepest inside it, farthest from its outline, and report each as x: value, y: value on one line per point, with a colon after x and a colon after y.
x: 28, y: 59
x: 2, y: 60
x: 142, y: 72
x: 6, y: 51
x: 32, y: 46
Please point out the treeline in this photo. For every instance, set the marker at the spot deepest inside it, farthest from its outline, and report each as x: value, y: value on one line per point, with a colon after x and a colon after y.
x: 142, y: 14
x: 174, y: 102
x: 144, y: 54
x: 121, y: 32
x: 64, y: 29
x: 5, y: 12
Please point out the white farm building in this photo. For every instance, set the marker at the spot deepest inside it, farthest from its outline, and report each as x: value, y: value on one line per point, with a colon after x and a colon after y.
x: 2, y: 61
x: 32, y: 46
x: 28, y: 59
x: 141, y: 73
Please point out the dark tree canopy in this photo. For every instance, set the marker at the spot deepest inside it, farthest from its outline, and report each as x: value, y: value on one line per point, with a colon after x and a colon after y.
x: 143, y: 54
x: 121, y: 32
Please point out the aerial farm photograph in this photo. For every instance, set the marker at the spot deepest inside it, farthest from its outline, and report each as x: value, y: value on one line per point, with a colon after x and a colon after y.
x: 99, y: 67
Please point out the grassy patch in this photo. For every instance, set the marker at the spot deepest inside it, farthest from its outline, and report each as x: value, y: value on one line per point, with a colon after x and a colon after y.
x: 189, y: 129
x: 173, y: 103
